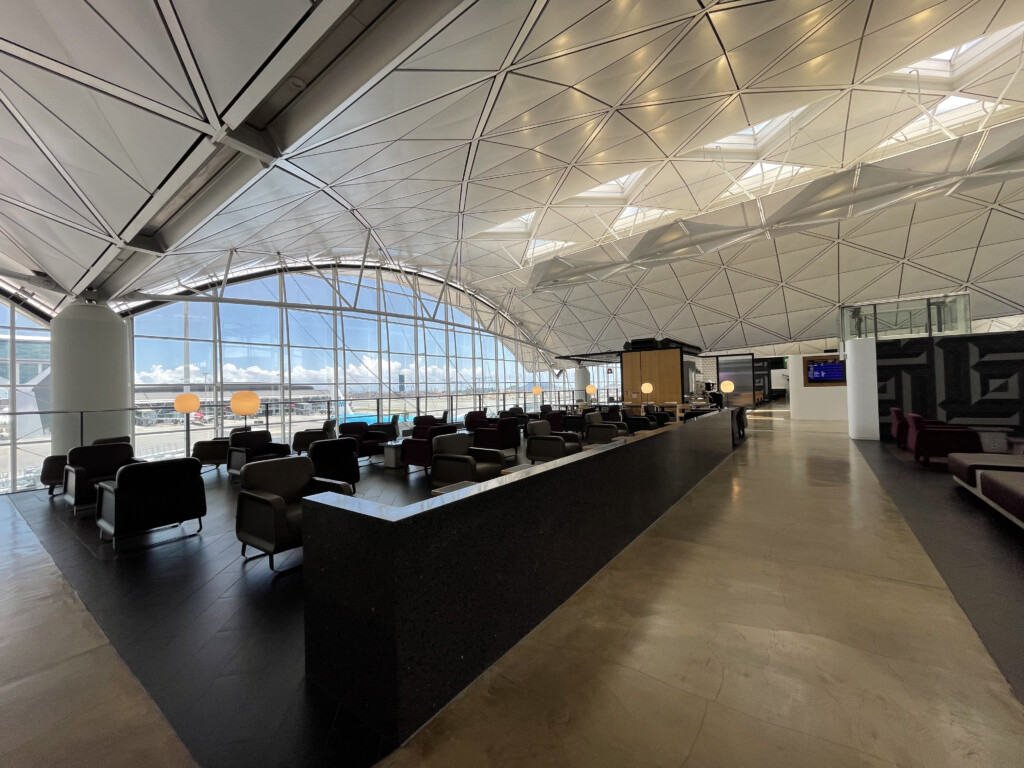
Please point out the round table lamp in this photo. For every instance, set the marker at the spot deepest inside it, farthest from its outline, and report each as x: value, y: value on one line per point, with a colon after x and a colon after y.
x: 187, y: 403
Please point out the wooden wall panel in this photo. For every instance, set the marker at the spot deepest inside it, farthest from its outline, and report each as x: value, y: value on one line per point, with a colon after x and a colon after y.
x: 660, y: 367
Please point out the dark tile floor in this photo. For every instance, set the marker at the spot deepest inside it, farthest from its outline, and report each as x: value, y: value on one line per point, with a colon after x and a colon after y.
x: 217, y: 641
x: 978, y: 552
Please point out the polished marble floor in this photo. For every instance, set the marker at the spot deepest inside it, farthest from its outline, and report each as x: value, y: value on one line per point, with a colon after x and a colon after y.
x: 66, y: 696
x: 781, y: 614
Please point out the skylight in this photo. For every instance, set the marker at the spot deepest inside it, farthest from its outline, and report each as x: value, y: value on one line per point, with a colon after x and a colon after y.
x: 954, y: 61
x: 753, y: 136
x: 761, y: 175
x: 616, y: 187
x: 633, y: 217
x: 951, y: 112
x: 516, y: 228
x: 543, y: 247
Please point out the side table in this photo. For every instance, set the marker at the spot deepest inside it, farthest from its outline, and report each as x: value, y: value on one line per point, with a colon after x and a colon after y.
x: 393, y: 454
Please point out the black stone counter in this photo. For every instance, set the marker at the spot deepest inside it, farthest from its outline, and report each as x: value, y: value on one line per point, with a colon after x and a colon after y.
x: 405, y: 606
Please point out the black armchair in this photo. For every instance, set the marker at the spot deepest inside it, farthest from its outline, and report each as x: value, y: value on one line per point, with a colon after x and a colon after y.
x: 336, y: 459
x: 91, y: 464
x: 149, y: 495
x: 256, y: 445
x: 304, y: 438
x: 269, y: 511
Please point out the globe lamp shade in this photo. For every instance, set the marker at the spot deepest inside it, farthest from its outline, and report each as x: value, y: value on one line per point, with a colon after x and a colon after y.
x: 537, y: 390
x: 245, y: 403
x: 727, y: 386
x: 591, y: 389
x: 186, y: 402
x: 647, y: 388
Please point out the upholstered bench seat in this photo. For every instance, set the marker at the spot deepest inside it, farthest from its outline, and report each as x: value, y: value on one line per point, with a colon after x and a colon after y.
x: 1005, y: 490
x: 964, y: 466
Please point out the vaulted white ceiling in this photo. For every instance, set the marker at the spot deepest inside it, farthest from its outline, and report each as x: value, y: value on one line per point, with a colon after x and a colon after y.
x: 522, y: 149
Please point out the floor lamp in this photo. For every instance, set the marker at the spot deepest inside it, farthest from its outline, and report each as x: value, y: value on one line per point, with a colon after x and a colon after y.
x: 245, y: 404
x: 727, y: 387
x: 187, y: 403
x: 646, y: 388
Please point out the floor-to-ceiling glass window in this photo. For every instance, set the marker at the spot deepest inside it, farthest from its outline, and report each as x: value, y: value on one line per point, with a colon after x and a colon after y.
x: 359, y: 345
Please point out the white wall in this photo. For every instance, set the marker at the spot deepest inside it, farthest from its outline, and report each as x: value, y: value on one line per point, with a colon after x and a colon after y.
x: 813, y: 403
x: 780, y: 378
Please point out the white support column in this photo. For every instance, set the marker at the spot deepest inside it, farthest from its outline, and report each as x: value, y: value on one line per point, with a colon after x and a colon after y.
x: 90, y: 371
x: 862, y: 389
x: 582, y: 381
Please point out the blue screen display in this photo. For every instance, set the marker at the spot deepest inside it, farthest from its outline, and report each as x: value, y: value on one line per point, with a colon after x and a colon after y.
x: 826, y: 373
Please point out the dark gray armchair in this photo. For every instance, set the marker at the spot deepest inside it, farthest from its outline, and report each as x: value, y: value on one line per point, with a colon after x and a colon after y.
x: 544, y: 445
x: 595, y: 419
x: 456, y: 460
x: 269, y: 511
x: 389, y: 428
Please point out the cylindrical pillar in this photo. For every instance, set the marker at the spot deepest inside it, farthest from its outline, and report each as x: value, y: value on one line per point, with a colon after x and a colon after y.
x: 90, y: 371
x: 862, y: 389
x: 582, y: 382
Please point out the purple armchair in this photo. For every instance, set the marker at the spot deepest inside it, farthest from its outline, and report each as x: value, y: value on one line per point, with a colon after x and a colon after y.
x: 503, y: 436
x: 418, y: 450
x: 475, y: 420
x: 929, y: 441
x: 371, y: 442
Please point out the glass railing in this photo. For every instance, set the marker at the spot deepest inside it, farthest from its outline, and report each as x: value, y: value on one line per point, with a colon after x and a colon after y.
x: 158, y: 432
x: 945, y: 315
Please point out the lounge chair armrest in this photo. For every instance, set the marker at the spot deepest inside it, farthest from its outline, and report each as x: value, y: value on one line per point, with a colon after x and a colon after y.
x: 326, y: 485
x: 490, y: 455
x: 262, y: 514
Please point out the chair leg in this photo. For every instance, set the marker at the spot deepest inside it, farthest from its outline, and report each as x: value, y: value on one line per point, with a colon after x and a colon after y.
x: 200, y: 524
x: 51, y: 489
x: 243, y: 550
x: 271, y: 560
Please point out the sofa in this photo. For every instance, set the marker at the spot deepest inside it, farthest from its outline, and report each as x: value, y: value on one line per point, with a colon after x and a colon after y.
x: 91, y: 464
x: 149, y: 495
x: 336, y: 459
x: 928, y: 440
x: 268, y: 515
x: 455, y: 459
x: 257, y: 445
x: 52, y: 472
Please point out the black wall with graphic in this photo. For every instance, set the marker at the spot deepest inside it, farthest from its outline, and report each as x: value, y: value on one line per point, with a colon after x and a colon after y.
x: 974, y: 379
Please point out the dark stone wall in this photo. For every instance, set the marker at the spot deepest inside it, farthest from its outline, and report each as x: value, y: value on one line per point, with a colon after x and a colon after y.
x: 974, y: 379
x: 406, y: 606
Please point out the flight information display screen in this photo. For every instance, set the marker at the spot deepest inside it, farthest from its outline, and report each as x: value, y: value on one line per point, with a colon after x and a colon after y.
x: 824, y: 372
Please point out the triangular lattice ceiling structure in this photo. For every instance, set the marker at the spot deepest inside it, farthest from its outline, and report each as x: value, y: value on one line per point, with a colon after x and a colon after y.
x: 499, y: 142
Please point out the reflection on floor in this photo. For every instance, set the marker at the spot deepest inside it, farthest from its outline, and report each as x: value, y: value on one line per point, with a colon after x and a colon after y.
x: 66, y: 696
x: 781, y: 614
